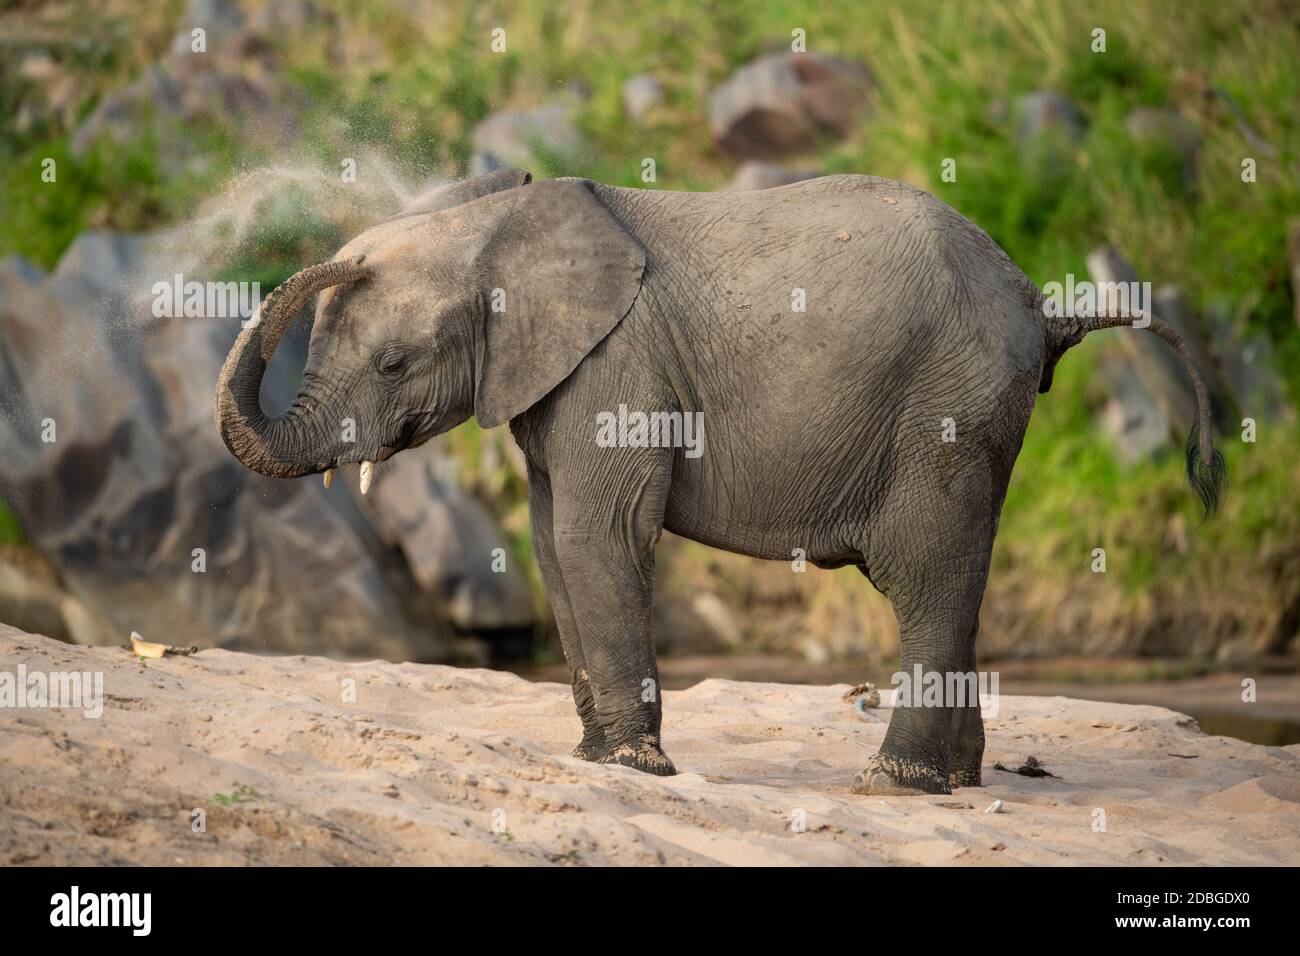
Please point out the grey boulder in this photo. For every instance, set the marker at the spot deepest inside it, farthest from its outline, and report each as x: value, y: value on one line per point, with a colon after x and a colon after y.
x: 783, y: 104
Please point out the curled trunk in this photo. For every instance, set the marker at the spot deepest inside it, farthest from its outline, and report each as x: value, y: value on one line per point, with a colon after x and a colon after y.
x: 272, y: 446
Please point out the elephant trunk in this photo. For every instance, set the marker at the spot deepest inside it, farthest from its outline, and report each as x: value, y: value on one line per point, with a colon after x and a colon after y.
x: 277, y: 447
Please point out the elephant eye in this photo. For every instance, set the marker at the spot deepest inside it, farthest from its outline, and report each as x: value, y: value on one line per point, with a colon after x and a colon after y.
x: 392, y: 364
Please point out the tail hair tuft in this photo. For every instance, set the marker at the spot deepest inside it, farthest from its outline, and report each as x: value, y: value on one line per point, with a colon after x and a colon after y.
x: 1208, y: 480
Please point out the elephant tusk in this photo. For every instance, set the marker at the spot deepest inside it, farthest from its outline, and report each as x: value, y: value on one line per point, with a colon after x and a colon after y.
x: 329, y: 477
x: 367, y: 475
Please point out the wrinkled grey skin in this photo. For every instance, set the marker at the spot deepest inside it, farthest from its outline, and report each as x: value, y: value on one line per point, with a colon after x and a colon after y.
x: 823, y: 429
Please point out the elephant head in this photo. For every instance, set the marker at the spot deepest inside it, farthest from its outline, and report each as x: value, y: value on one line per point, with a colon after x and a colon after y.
x: 480, y: 301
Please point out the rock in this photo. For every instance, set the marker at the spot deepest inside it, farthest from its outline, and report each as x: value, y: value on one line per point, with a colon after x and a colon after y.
x: 136, y: 479
x: 1152, y: 368
x: 1249, y: 367
x: 62, y: 90
x: 119, y: 115
x: 218, y: 18
x: 291, y: 17
x: 1170, y: 305
x: 98, y: 261
x: 814, y: 650
x: 1132, y: 419
x: 172, y: 99
x: 641, y: 94
x: 756, y: 174
x: 1162, y: 136
x: 218, y: 94
x: 691, y: 620
x: 21, y: 271
x: 1151, y: 392
x: 450, y: 543
x: 1046, y: 113
x: 782, y: 104
x: 1048, y: 130
x: 714, y: 613
x: 546, y: 136
x: 32, y: 597
x: 233, y: 81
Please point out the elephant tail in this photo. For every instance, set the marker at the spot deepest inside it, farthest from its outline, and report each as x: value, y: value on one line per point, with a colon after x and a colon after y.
x: 1207, y: 472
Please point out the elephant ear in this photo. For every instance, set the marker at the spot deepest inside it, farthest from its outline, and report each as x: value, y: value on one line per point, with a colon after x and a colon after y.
x: 563, y: 273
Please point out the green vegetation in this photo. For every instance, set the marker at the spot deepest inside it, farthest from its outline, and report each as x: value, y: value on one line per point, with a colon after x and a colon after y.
x: 242, y: 793
x: 10, y: 532
x: 945, y: 74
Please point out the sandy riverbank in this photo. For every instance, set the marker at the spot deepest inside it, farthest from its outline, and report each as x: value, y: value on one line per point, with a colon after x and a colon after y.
x: 441, y: 765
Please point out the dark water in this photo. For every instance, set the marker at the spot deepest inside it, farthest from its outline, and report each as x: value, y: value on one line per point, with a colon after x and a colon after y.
x: 679, y: 673
x: 1271, y: 733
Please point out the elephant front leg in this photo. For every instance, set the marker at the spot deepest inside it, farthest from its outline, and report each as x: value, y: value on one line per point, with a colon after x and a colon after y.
x: 593, y: 745
x: 611, y: 596
x: 607, y: 562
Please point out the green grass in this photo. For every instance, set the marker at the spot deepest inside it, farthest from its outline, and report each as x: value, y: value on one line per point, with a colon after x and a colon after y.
x: 242, y: 793
x: 10, y: 531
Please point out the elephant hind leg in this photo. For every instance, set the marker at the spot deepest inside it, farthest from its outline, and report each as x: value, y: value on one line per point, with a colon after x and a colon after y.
x: 966, y: 734
x: 932, y: 743
x: 933, y: 558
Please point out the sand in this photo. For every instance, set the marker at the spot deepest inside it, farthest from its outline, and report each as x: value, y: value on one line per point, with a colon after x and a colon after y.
x: 439, y: 765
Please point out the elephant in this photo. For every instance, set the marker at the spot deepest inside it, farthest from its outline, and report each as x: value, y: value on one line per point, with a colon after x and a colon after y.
x: 865, y: 359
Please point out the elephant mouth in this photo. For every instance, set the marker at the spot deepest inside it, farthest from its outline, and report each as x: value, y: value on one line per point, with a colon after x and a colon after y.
x: 415, y: 430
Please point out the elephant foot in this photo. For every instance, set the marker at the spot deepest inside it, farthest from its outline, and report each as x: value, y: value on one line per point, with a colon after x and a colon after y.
x: 592, y: 747
x: 965, y: 777
x: 643, y: 754
x: 888, y: 776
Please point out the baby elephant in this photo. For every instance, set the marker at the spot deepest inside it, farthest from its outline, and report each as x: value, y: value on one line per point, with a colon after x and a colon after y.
x: 842, y: 368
